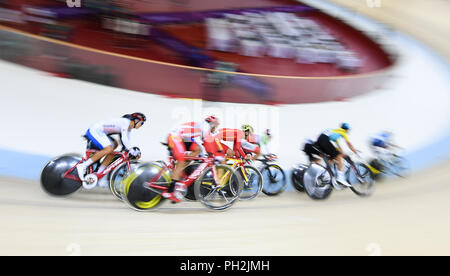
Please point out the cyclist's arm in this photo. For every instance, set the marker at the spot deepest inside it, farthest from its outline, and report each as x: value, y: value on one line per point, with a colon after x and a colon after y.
x: 257, y: 153
x: 349, y: 144
x: 125, y: 137
x: 238, y: 148
x: 352, y: 148
x: 251, y: 148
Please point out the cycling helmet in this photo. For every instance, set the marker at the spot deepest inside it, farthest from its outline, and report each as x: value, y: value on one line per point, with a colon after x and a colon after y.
x: 212, y: 119
x: 268, y: 132
x: 345, y: 126
x: 246, y: 128
x: 138, y: 116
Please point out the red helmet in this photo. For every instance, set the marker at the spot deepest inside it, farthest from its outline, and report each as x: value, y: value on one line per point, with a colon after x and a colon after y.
x: 212, y: 119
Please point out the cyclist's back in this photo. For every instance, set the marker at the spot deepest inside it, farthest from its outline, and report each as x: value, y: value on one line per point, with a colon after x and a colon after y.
x: 236, y: 136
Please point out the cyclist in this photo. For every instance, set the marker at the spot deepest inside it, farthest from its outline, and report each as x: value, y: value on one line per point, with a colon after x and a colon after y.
x: 230, y: 135
x: 328, y: 142
x: 382, y: 145
x: 98, y: 135
x: 195, y: 137
x: 251, y: 143
x: 263, y: 141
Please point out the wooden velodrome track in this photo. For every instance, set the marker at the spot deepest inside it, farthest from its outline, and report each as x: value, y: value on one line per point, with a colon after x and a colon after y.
x: 404, y: 217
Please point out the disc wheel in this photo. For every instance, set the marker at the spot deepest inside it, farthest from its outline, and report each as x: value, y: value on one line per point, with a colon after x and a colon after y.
x: 52, y: 177
x: 317, y: 182
x: 137, y: 193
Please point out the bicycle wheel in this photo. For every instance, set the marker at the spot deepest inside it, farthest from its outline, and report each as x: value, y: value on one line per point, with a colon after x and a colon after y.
x: 116, y: 177
x: 317, y: 182
x: 275, y: 181
x: 52, y: 176
x: 399, y: 166
x: 297, y: 177
x: 361, y: 181
x: 252, y: 181
x: 218, y: 196
x: 136, y: 191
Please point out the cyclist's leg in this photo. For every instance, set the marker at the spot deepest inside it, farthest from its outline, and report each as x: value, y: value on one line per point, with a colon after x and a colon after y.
x: 178, y: 150
x: 194, y: 149
x: 340, y: 161
x: 327, y: 147
x: 100, y: 154
x: 109, y: 157
x: 102, y: 143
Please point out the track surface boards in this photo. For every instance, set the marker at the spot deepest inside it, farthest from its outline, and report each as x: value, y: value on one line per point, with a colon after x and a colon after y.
x: 405, y: 216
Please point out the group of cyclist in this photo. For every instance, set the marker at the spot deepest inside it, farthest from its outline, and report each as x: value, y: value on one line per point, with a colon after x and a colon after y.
x: 204, y: 138
x: 189, y: 139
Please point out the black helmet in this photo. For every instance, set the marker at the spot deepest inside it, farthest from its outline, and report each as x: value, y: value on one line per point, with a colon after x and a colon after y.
x: 136, y: 116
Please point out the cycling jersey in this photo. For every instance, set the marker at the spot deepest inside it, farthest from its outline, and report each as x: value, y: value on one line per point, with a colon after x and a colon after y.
x: 336, y: 134
x: 98, y: 133
x: 328, y: 141
x: 182, y: 138
x: 229, y: 135
x: 194, y: 132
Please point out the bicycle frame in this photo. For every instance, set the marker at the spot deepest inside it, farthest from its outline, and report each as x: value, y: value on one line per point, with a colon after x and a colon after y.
x: 388, y: 165
x: 328, y: 165
x: 266, y: 162
x: 352, y: 165
x: 206, y: 163
x: 238, y: 163
x: 349, y: 161
x: 123, y: 157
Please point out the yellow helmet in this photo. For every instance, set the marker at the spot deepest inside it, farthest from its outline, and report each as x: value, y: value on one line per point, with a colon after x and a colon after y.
x: 248, y: 128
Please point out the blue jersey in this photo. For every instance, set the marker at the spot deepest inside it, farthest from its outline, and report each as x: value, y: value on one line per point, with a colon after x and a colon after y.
x: 381, y: 140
